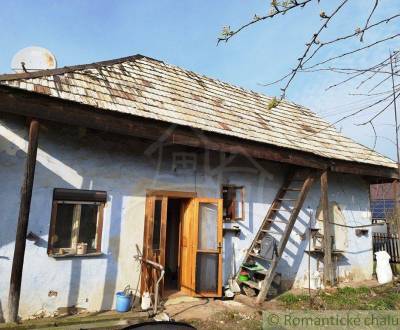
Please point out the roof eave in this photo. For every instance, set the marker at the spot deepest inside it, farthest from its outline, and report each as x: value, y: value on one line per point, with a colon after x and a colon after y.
x: 31, y: 104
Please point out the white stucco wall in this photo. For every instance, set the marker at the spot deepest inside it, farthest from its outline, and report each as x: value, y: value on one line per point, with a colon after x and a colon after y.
x: 125, y: 168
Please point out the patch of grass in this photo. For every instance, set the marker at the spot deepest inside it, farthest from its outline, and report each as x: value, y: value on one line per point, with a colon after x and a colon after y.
x: 389, y: 301
x: 382, y: 298
x: 345, y: 298
x: 290, y: 299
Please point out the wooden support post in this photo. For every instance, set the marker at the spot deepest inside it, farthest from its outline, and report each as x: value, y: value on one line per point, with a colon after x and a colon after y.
x: 328, y: 236
x: 22, y: 226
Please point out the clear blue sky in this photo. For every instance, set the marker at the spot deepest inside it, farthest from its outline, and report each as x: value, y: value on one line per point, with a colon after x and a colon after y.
x: 183, y: 33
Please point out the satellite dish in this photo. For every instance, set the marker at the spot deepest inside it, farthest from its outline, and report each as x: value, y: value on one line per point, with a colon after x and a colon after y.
x: 33, y: 59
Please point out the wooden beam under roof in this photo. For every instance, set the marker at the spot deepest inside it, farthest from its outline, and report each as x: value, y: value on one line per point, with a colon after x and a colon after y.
x: 28, y: 104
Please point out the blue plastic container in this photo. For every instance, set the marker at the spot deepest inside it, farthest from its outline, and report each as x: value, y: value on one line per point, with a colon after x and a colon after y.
x: 123, y: 302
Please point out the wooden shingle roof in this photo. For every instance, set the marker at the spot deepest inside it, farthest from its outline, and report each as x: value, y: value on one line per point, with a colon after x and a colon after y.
x: 149, y: 88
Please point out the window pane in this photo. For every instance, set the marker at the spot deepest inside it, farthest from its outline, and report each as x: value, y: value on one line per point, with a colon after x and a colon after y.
x: 238, y: 202
x: 228, y: 197
x: 206, y: 272
x: 88, y: 225
x: 157, y: 224
x: 63, y: 228
x: 208, y: 216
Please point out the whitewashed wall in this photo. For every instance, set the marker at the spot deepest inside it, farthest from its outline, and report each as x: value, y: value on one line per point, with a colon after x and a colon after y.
x: 125, y: 168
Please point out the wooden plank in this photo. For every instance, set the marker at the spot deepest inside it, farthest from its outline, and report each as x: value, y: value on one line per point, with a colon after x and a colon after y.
x: 163, y: 238
x: 328, y: 232
x: 179, y: 261
x: 234, y: 145
x: 147, y: 239
x: 22, y: 226
x: 266, y: 283
x: 172, y: 193
x: 220, y: 242
x: 52, y: 109
x: 194, y: 240
x: 372, y: 171
x: 186, y: 248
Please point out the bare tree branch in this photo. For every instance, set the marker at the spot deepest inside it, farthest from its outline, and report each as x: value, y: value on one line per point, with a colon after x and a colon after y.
x: 373, y: 79
x: 227, y: 33
x: 369, y: 18
x: 309, y: 45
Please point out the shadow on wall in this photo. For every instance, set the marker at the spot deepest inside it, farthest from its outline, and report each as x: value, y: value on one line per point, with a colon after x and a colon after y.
x: 77, y: 276
x: 111, y: 257
x: 111, y: 269
x: 295, y: 253
x: 12, y: 163
x: 229, y: 264
x: 2, y: 320
x: 110, y: 280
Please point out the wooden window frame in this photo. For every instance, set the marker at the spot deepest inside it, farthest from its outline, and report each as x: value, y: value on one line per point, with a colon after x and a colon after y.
x: 235, y: 217
x: 55, y: 252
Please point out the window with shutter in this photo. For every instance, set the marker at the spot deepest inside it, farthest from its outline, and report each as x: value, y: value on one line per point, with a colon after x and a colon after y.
x: 76, y: 222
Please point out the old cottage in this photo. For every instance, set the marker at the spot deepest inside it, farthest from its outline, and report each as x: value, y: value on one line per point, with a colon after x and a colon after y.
x: 99, y: 161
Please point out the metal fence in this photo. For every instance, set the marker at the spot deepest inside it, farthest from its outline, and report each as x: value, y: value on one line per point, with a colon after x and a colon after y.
x: 389, y: 243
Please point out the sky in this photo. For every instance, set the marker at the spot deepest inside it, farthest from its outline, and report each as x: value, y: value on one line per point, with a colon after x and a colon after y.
x: 184, y: 33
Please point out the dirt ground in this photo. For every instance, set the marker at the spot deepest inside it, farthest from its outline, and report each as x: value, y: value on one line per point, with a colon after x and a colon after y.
x: 218, y: 314
x: 240, y: 313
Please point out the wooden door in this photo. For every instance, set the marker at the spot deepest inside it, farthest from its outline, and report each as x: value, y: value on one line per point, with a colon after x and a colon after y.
x: 154, y: 240
x: 186, y: 264
x: 207, y: 247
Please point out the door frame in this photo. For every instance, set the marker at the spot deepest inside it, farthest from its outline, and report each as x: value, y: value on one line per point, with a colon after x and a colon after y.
x: 151, y: 196
x: 218, y: 250
x: 147, y: 276
x: 171, y: 193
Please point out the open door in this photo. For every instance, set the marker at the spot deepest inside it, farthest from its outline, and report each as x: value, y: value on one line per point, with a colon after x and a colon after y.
x: 154, y: 240
x: 207, y: 247
x: 186, y: 248
x: 200, y: 245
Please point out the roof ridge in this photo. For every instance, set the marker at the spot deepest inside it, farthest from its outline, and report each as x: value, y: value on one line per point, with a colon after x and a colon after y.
x: 67, y: 69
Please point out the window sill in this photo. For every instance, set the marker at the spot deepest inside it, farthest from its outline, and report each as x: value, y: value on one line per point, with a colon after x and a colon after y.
x: 74, y: 255
x: 233, y: 220
x: 235, y: 231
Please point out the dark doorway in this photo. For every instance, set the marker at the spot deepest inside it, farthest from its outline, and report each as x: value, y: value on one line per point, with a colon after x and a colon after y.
x: 172, y: 262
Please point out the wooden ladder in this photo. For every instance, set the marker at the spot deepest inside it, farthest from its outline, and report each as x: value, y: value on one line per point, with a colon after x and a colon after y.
x: 297, y: 184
